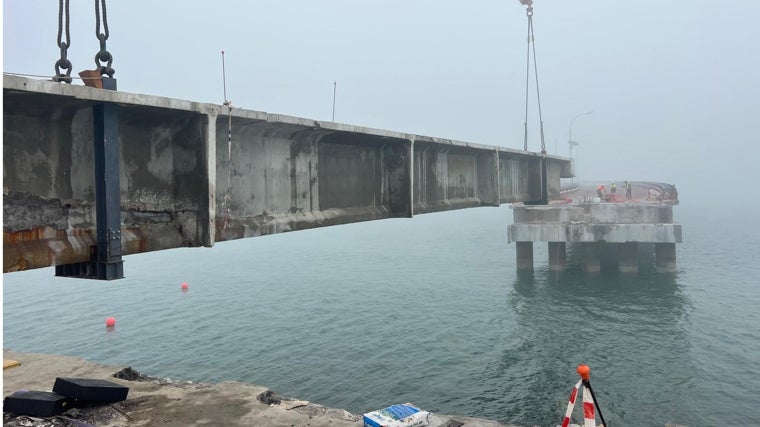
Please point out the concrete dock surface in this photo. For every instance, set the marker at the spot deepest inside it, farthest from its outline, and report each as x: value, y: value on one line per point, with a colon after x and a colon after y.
x: 164, y: 402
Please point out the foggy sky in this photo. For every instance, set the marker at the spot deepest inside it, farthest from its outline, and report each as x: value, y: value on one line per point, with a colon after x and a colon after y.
x: 673, y: 85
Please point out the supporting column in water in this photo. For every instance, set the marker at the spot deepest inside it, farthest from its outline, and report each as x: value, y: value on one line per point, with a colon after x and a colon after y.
x: 557, y: 255
x: 665, y: 257
x: 591, y: 262
x: 524, y: 255
x: 628, y: 257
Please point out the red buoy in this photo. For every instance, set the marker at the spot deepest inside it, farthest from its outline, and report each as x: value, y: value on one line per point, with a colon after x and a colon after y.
x: 583, y: 371
x: 184, y: 286
x: 110, y: 322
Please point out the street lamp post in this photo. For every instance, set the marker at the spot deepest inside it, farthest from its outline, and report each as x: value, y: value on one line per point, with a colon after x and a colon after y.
x: 570, y: 141
x: 570, y: 127
x: 573, y: 144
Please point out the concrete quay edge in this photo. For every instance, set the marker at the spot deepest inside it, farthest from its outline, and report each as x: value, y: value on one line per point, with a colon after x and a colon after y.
x: 174, y: 403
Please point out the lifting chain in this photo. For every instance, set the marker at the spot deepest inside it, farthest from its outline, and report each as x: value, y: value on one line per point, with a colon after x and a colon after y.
x: 531, y: 40
x: 63, y: 62
x: 103, y: 55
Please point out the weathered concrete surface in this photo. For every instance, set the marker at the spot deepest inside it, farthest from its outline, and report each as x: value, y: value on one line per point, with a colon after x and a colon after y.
x: 179, y: 403
x: 524, y: 252
x: 557, y: 255
x: 595, y: 222
x: 597, y: 213
x: 618, y: 228
x: 590, y: 257
x: 183, y: 184
x: 610, y: 233
x: 665, y: 257
x: 628, y: 257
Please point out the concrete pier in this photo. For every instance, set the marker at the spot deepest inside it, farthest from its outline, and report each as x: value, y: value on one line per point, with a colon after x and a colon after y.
x: 628, y: 257
x: 557, y: 255
x: 620, y: 227
x: 590, y: 257
x: 665, y: 257
x: 524, y: 255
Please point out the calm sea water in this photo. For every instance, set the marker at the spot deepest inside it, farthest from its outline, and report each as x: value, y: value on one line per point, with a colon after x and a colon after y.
x: 430, y: 311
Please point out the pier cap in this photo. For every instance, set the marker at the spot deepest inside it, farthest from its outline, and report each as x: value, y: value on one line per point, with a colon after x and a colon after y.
x: 584, y: 371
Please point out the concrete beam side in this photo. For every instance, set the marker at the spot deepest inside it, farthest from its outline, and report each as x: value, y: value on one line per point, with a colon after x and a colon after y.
x: 178, y: 184
x: 84, y: 93
x: 566, y: 168
x: 410, y: 176
x: 496, y: 165
x: 461, y: 178
x: 446, y: 205
x: 553, y: 176
x: 533, y: 166
x: 260, y: 225
x: 487, y: 182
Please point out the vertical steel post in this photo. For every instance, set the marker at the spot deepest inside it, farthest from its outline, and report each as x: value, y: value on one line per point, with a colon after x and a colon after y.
x: 105, y: 257
x: 107, y: 191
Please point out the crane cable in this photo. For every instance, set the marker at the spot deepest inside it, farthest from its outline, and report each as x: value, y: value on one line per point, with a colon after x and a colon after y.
x: 531, y: 40
x: 227, y: 103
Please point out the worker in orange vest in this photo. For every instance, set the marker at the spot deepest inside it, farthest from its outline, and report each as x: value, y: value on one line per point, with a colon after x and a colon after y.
x: 600, y: 191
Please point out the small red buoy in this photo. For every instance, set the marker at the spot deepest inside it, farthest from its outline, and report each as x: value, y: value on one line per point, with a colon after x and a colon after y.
x: 583, y: 371
x: 110, y: 322
x: 184, y: 286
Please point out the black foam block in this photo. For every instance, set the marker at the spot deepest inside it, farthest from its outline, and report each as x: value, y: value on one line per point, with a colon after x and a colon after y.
x: 84, y: 389
x: 37, y: 403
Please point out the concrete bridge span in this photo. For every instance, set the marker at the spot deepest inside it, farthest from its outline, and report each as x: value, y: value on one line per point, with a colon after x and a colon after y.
x: 182, y: 184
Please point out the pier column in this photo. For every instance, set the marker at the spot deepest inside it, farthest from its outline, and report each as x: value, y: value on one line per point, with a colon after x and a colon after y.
x: 628, y: 257
x: 590, y: 261
x: 665, y: 257
x: 524, y: 255
x: 557, y: 255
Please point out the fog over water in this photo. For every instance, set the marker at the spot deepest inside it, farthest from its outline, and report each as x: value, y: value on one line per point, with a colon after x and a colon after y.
x: 428, y: 310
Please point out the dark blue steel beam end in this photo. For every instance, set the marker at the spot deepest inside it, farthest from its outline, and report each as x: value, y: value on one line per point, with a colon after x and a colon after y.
x: 105, y: 262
